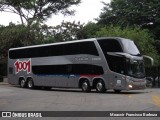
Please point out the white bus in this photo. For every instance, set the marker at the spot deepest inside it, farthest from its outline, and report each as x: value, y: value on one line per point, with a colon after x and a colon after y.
x: 96, y: 63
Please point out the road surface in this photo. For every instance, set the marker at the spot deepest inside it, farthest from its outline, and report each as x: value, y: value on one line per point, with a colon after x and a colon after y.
x: 14, y: 98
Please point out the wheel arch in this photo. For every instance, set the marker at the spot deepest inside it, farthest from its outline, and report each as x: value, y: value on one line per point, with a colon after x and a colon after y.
x: 21, y: 78
x: 30, y: 82
x: 29, y: 77
x: 81, y: 80
x: 95, y: 80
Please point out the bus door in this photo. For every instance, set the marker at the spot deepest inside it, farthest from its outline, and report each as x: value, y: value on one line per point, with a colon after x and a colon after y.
x: 119, y: 73
x: 117, y: 64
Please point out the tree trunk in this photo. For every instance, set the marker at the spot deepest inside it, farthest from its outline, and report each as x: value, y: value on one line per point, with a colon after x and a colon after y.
x: 20, y: 14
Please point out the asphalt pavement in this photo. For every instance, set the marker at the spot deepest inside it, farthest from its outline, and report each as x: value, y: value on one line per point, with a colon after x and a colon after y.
x: 14, y: 98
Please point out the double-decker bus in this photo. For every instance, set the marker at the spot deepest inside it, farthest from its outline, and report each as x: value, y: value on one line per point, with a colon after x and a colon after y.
x: 96, y: 63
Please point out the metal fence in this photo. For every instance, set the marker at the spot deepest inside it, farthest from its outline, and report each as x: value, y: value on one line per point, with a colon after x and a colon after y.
x: 154, y: 72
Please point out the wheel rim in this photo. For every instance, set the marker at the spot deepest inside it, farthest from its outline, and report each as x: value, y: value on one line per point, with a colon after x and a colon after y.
x: 99, y: 86
x: 84, y: 86
x: 22, y: 83
x: 30, y: 84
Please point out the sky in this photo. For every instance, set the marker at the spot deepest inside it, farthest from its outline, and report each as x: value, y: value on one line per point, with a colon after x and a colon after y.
x: 86, y: 11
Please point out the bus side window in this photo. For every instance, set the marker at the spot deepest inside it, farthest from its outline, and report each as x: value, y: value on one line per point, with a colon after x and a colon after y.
x: 69, y: 69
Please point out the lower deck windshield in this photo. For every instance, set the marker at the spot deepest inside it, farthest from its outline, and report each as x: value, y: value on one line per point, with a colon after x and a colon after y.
x: 124, y: 66
x: 136, y: 69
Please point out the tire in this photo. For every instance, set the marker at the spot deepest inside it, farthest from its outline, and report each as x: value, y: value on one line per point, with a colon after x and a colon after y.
x: 30, y: 84
x: 117, y: 91
x: 85, y: 86
x: 23, y: 83
x: 100, y: 87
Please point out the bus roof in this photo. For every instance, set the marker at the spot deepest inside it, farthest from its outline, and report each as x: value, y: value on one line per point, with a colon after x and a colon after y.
x: 66, y: 42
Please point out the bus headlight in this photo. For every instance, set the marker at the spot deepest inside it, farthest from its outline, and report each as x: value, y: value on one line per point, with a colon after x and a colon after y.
x: 130, y: 86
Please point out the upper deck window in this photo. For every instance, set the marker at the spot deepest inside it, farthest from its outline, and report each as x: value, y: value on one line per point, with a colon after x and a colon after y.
x: 110, y: 45
x: 87, y: 47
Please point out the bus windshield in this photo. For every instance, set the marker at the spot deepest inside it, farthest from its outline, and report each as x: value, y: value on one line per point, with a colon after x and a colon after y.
x: 136, y: 69
x: 130, y: 47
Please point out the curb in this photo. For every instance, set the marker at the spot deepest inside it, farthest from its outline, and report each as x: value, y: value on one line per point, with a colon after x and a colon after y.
x: 3, y: 83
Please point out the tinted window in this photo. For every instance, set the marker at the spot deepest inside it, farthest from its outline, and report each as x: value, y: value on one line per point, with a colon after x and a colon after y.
x: 130, y: 47
x: 86, y: 69
x: 110, y: 45
x: 117, y: 64
x: 68, y: 69
x: 55, y: 50
x: 49, y: 69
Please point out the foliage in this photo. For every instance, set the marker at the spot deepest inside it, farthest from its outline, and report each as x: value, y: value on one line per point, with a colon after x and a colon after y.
x: 142, y: 13
x: 33, y: 11
x: 16, y: 36
x: 90, y: 30
x: 68, y: 31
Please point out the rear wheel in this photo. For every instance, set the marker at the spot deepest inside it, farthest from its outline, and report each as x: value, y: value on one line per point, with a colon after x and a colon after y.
x: 85, y: 86
x: 23, y: 83
x: 100, y: 87
x: 30, y: 83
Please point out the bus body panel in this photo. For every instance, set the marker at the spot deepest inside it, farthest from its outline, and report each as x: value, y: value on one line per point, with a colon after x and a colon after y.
x: 66, y: 71
x: 55, y: 80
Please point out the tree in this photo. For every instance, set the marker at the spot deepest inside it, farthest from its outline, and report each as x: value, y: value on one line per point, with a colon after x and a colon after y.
x: 68, y: 31
x: 142, y: 13
x: 90, y: 30
x: 13, y: 36
x: 37, y: 10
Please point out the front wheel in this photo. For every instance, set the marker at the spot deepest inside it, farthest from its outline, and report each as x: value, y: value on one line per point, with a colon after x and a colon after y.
x: 100, y: 87
x: 30, y: 84
x: 85, y: 86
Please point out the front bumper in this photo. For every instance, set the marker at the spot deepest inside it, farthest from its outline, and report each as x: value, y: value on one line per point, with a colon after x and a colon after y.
x: 136, y: 85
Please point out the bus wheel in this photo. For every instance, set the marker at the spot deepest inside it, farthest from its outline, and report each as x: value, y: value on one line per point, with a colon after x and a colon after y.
x: 100, y: 87
x: 30, y: 83
x: 85, y: 86
x: 117, y: 91
x: 23, y: 83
